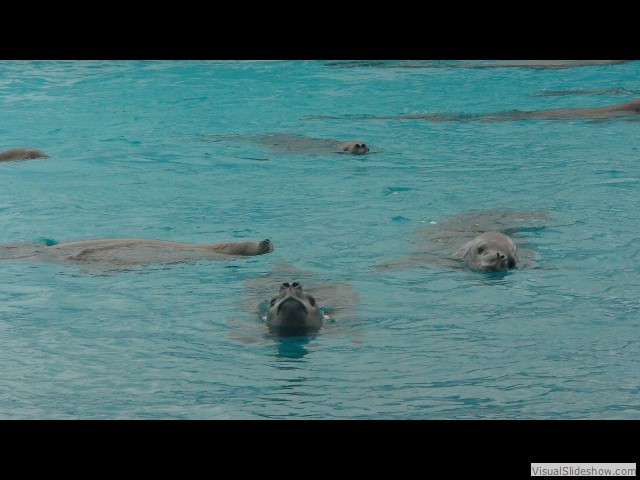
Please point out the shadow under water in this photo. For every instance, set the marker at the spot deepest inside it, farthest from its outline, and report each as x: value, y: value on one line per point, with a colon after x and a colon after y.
x: 293, y: 347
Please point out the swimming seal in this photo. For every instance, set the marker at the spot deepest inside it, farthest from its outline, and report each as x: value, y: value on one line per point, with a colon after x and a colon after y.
x: 445, y: 242
x: 21, y: 154
x: 115, y: 253
x: 618, y: 110
x: 298, y: 144
x: 229, y: 248
x: 535, y: 64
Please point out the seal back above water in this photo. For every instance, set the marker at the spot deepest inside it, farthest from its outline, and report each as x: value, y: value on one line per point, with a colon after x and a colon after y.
x: 21, y: 154
x: 125, y: 252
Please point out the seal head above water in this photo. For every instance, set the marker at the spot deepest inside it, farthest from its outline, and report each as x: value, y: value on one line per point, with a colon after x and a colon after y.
x: 293, y: 312
x: 354, y: 148
x: 489, y: 252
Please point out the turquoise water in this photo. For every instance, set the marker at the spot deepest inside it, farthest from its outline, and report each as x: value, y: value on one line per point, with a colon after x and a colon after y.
x: 129, y: 157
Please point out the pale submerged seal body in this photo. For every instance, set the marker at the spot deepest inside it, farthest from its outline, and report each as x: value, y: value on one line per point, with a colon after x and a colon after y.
x: 489, y: 252
x: 125, y: 252
x: 586, y: 91
x: 535, y: 64
x: 607, y: 112
x: 293, y: 312
x: 624, y: 109
x: 21, y: 154
x: 297, y: 144
x: 229, y: 248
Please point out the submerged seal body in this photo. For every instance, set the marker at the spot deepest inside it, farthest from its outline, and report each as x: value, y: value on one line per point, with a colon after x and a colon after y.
x: 631, y: 107
x: 617, y: 110
x: 536, y: 64
x: 229, y: 248
x: 118, y: 253
x: 293, y: 312
x: 298, y: 144
x: 489, y: 252
x: 21, y: 154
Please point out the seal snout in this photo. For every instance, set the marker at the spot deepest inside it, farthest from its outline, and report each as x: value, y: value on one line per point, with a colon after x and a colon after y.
x: 265, y: 246
x: 494, y: 261
x: 355, y: 148
x: 292, y: 299
x: 360, y: 149
x: 291, y: 306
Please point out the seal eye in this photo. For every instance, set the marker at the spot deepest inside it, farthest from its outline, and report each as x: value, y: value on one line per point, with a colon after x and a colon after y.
x: 480, y: 249
x: 312, y: 300
x: 295, y: 284
x: 357, y: 145
x: 285, y: 285
x: 363, y: 145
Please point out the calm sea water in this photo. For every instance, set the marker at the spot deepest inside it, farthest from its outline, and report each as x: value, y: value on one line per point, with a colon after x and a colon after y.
x: 130, y: 158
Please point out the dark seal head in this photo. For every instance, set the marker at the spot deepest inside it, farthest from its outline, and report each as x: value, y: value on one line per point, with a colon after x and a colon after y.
x: 489, y: 252
x: 21, y: 154
x: 355, y: 148
x: 265, y: 246
x: 293, y: 312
